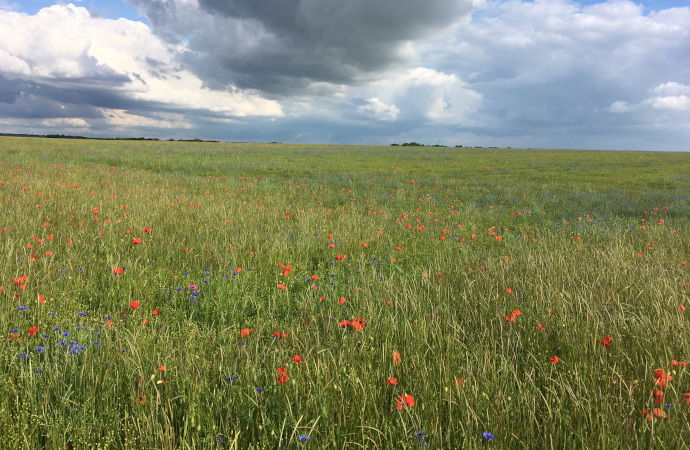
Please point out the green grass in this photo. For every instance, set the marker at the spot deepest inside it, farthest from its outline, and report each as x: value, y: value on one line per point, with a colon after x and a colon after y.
x: 442, y: 304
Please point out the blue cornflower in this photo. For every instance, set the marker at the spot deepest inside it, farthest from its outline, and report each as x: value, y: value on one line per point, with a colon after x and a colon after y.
x: 56, y: 329
x: 668, y: 405
x: 420, y: 434
x: 22, y: 355
x: 40, y: 349
x: 82, y: 313
x: 15, y: 330
x: 303, y: 438
x: 66, y: 333
x: 488, y: 436
x: 259, y: 389
x: 21, y: 308
x: 62, y: 343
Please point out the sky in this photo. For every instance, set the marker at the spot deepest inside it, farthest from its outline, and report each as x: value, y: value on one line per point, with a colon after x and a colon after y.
x: 609, y: 75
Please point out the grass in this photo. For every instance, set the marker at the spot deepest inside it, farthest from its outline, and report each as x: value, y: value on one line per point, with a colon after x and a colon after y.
x: 592, y: 244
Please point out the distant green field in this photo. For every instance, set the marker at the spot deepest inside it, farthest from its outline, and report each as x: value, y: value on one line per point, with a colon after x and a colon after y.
x: 209, y: 295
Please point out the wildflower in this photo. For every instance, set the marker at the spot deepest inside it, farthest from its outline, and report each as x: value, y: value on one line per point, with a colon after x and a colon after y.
x: 661, y: 378
x: 554, y: 359
x: 392, y: 380
x: 281, y: 287
x: 364, y: 244
x: 303, y: 438
x: 540, y: 327
x: 606, y: 341
x: 134, y: 305
x: 297, y: 359
x: 344, y: 323
x: 118, y: 270
x: 282, y: 376
x: 488, y: 436
x: 245, y: 332
x: 161, y: 368
x: 155, y: 312
x: 658, y: 412
x: 136, y: 241
x: 404, y: 401
x: 342, y: 300
x: 33, y: 330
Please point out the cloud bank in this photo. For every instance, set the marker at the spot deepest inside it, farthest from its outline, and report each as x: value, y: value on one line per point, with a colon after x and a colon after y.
x: 543, y: 73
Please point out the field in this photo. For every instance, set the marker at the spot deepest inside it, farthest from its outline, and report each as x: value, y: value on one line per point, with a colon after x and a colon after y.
x: 206, y: 295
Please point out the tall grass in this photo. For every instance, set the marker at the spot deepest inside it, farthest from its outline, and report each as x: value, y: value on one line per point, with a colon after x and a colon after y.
x: 592, y: 244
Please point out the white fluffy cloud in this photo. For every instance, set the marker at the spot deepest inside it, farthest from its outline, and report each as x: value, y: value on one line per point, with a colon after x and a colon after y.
x: 63, y: 49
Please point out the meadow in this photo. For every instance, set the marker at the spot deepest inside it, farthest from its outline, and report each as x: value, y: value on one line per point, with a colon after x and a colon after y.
x: 208, y: 295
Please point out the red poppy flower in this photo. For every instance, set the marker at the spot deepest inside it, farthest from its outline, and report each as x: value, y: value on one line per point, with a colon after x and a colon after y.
x: 118, y: 270
x: 658, y: 412
x: 460, y: 381
x: 687, y: 397
x: 134, y: 305
x: 661, y: 377
x: 297, y: 359
x: 33, y: 330
x: 554, y: 359
x: 404, y: 401
x: 282, y: 376
x: 41, y: 298
x: 147, y: 230
x: 342, y: 300
x: 364, y: 244
x: 136, y: 241
x: 161, y: 368
x: 142, y: 399
x: 344, y: 323
x: 540, y: 327
x: 606, y: 342
x: 658, y: 396
x: 396, y: 358
x: 155, y: 312
x: 244, y: 332
x: 193, y: 287
x: 392, y: 380
x: 281, y: 286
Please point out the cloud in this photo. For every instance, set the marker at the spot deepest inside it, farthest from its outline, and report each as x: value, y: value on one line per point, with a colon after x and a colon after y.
x: 283, y: 46
x: 62, y: 63
x: 379, y: 110
x: 66, y: 122
x: 561, y: 74
x: 542, y: 73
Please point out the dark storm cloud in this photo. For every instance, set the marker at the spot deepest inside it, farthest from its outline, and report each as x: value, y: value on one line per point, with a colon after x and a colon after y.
x: 280, y: 46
